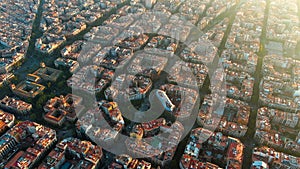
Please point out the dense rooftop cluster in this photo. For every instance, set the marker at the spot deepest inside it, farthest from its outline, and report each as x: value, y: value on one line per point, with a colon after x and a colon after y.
x: 130, y: 87
x: 233, y: 120
x: 7, y: 120
x: 188, y: 74
x: 183, y: 98
x: 19, y: 24
x: 212, y: 150
x: 273, y: 124
x: 265, y: 157
x: 239, y: 85
x: 64, y: 108
x: 15, y: 106
x: 102, y: 124
x: 147, y: 64
x: 279, y: 87
x: 17, y: 17
x: 70, y: 56
x: 209, y: 114
x: 91, y: 79
x: 72, y: 152
x: 161, y: 147
x: 62, y: 19
x: 34, y: 138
